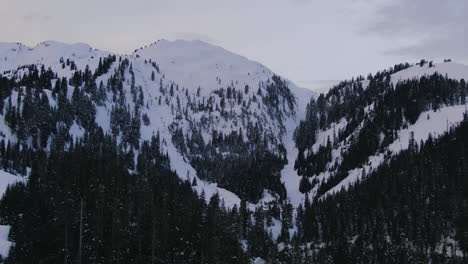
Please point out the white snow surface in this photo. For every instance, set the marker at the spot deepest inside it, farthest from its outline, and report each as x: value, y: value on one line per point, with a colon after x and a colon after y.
x: 193, y: 65
x: 436, y: 126
x: 289, y: 176
x: 258, y: 260
x: 437, y: 123
x: 48, y: 53
x: 186, y: 65
x: 5, y: 180
x: 8, y: 179
x: 451, y: 69
x: 198, y: 64
x: 76, y: 131
x: 429, y: 123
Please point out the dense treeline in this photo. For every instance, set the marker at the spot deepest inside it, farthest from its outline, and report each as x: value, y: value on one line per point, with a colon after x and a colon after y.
x: 245, y: 167
x: 373, y: 118
x: 346, y: 100
x: 396, y: 109
x: 132, y: 213
x: 32, y: 116
x: 147, y: 216
x: 92, y: 198
x: 247, y: 161
x: 119, y: 191
x: 413, y: 209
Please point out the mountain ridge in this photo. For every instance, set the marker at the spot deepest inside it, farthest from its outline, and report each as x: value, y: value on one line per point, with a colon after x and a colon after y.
x: 197, y: 67
x: 224, y: 139
x: 222, y: 69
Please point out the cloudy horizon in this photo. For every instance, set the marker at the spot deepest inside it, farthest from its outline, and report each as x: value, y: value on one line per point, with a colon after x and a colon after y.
x: 306, y: 41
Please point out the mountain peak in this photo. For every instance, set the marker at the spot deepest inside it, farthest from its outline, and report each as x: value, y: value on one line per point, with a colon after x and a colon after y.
x: 194, y: 63
x: 47, y: 53
x: 58, y: 44
x: 451, y: 69
x: 194, y: 52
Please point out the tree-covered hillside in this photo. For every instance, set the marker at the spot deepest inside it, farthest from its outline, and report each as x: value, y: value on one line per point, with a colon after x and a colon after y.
x: 413, y: 209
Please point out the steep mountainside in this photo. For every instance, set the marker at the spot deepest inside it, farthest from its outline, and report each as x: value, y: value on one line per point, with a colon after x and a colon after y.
x: 214, y: 118
x: 211, y: 107
x: 183, y: 152
x: 359, y: 124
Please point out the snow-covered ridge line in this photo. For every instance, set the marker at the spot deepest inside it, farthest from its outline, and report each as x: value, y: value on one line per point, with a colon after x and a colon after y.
x: 427, y: 119
x: 195, y: 69
x: 429, y: 123
x: 453, y: 70
x: 48, y: 53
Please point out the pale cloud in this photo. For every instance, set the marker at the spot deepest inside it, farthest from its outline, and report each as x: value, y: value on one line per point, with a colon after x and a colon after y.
x: 189, y: 36
x: 303, y: 40
x: 36, y: 17
x: 431, y: 28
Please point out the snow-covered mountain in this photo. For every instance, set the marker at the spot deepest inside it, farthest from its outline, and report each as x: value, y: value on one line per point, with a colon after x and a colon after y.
x: 191, y: 89
x: 430, y: 122
x: 225, y: 124
x: 47, y: 53
x: 187, y: 87
x: 356, y: 118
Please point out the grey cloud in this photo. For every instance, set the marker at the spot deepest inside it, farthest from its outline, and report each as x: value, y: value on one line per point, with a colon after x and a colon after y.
x: 453, y: 45
x: 195, y: 36
x: 437, y: 28
x: 192, y: 36
x: 36, y: 17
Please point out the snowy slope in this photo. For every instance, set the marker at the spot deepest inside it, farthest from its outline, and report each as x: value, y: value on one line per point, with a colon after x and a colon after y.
x: 5, y: 180
x: 196, y: 71
x: 196, y: 64
x: 429, y: 123
x: 451, y: 69
x: 48, y: 53
x: 435, y: 126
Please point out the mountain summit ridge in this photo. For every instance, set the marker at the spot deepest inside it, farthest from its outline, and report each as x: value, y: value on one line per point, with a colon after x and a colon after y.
x: 195, y: 69
x: 191, y: 147
x: 169, y: 75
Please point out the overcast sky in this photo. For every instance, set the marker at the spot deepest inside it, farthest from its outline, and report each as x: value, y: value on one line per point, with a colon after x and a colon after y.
x: 307, y: 41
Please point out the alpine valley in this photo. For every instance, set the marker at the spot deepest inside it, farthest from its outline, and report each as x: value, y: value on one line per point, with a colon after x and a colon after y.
x: 183, y: 152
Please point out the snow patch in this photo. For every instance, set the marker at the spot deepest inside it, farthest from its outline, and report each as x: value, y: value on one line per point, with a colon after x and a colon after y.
x: 6, y: 179
x: 451, y: 69
x: 428, y: 123
x: 258, y: 261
